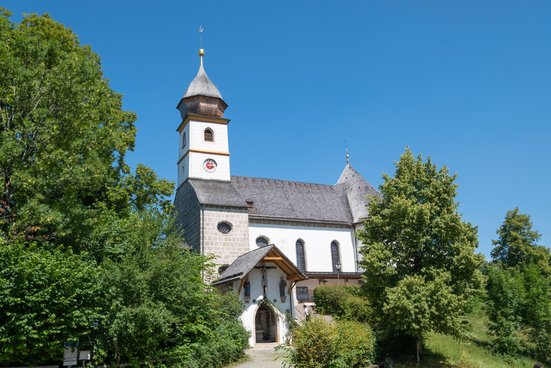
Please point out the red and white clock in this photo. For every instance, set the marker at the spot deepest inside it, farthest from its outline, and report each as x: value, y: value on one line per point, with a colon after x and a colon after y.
x: 210, y: 165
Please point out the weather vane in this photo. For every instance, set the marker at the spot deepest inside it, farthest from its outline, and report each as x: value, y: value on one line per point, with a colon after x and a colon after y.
x: 200, y: 30
x: 347, y: 155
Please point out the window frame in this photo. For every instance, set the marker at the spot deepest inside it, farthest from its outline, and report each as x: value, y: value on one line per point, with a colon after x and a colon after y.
x: 262, y: 237
x: 336, y: 256
x: 210, y: 131
x: 301, y: 256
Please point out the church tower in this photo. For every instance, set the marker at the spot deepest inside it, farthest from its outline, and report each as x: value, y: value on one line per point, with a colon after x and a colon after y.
x: 203, y: 147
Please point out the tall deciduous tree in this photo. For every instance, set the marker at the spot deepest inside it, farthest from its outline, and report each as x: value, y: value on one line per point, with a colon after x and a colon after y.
x: 418, y: 254
x: 63, y: 138
x: 519, y: 288
x: 87, y: 250
x: 517, y: 242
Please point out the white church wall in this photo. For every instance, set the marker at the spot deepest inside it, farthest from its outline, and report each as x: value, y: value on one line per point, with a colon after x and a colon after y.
x: 281, y: 308
x: 359, y: 246
x: 196, y: 170
x: 196, y: 136
x: 317, y: 244
x: 191, y: 162
x: 183, y: 172
x: 181, y: 147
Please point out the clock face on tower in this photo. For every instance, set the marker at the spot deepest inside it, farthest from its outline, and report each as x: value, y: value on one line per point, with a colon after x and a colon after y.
x: 210, y: 165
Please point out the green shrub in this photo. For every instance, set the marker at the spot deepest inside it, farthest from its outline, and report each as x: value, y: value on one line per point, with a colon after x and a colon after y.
x: 321, y: 344
x: 342, y: 302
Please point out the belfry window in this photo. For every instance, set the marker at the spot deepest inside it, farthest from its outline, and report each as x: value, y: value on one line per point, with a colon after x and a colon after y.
x: 184, y: 140
x: 336, y: 256
x: 301, y: 260
x: 209, y: 135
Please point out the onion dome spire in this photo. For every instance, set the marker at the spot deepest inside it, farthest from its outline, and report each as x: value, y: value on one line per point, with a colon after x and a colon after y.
x: 202, y: 97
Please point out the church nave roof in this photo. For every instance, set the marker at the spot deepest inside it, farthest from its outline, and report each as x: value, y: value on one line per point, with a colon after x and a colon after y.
x: 272, y: 199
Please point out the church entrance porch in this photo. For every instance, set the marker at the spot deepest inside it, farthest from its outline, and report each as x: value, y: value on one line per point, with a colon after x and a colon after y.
x: 265, y: 326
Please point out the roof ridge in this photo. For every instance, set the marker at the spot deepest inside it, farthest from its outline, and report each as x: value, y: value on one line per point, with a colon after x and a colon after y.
x: 284, y: 181
x: 256, y: 250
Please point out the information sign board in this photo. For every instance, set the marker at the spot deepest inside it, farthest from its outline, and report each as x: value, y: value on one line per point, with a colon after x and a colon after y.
x: 70, y: 357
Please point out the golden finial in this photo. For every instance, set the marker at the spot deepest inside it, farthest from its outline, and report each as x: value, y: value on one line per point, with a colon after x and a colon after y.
x: 201, y: 50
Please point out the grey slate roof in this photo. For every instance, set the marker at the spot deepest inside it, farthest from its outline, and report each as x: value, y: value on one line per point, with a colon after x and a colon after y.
x: 202, y: 86
x: 244, y: 264
x: 344, y: 202
x: 357, y: 188
x: 241, y: 267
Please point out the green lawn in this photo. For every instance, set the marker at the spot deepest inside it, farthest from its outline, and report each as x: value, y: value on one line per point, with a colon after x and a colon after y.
x: 472, y: 352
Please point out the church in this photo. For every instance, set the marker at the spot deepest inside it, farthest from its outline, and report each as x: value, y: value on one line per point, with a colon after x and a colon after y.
x: 274, y: 240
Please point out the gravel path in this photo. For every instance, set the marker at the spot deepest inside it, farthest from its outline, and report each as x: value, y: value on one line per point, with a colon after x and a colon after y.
x: 261, y: 358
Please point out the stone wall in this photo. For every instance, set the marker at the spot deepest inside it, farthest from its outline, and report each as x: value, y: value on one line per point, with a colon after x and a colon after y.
x: 188, y: 215
x: 226, y: 247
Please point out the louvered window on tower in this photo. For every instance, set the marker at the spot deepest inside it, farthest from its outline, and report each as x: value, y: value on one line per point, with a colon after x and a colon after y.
x: 209, y: 135
x: 336, y: 257
x: 301, y: 260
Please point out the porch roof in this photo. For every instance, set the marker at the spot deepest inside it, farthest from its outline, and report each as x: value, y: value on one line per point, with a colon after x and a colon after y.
x: 241, y: 267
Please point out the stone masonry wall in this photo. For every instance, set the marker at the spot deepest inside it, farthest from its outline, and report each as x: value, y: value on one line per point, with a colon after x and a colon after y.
x: 226, y: 247
x: 188, y: 215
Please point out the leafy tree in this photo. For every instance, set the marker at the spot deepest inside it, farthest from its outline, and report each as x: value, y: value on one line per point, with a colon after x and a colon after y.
x: 342, y: 302
x: 418, y: 255
x: 516, y: 243
x: 321, y: 344
x: 519, y: 289
x: 163, y: 312
x: 63, y: 139
x: 46, y: 297
x: 88, y: 251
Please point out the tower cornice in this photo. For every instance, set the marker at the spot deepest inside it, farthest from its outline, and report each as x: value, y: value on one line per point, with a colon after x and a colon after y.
x: 216, y: 153
x: 197, y: 117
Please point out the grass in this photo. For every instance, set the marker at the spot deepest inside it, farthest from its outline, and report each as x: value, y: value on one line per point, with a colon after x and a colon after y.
x: 471, y: 352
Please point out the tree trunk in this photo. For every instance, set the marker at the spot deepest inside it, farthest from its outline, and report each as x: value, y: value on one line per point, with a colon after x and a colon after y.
x: 418, y: 343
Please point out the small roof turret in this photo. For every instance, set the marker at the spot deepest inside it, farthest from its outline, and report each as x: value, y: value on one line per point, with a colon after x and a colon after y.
x: 202, y: 97
x: 357, y: 191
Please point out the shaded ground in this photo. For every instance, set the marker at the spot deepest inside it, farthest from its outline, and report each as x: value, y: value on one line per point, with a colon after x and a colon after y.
x: 263, y: 357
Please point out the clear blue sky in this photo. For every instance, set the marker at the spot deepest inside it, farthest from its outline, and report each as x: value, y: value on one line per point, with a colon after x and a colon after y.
x: 465, y: 82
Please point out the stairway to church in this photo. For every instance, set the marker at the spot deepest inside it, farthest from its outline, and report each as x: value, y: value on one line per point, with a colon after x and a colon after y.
x: 262, y: 356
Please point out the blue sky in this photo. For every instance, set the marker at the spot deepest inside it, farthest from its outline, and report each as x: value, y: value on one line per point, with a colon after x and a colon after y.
x: 465, y: 82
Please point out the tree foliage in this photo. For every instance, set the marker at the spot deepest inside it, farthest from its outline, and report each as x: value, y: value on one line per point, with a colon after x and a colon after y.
x: 418, y: 254
x: 321, y: 344
x: 342, y: 302
x: 519, y: 289
x: 162, y: 312
x: 46, y: 297
x: 88, y: 250
x: 63, y: 139
x: 517, y: 243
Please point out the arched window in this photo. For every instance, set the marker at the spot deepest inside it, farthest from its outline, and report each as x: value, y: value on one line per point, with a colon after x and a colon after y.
x: 184, y: 140
x: 262, y: 241
x: 209, y: 135
x: 336, y: 256
x: 301, y: 260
